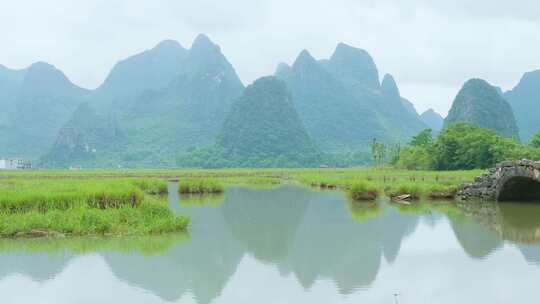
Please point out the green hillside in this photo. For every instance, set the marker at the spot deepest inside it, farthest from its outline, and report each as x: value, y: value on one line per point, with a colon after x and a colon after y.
x: 263, y: 129
x: 87, y: 138
x: 479, y: 103
x: 525, y: 100
x: 36, y: 102
x: 178, y: 102
x: 342, y: 103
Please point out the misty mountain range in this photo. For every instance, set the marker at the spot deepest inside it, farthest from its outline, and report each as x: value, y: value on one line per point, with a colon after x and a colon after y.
x: 169, y: 105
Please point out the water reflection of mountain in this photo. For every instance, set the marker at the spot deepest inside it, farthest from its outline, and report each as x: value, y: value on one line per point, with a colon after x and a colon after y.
x: 312, y: 235
x: 476, y: 240
x: 202, y: 266
x: 38, y: 266
x: 266, y: 221
x: 307, y: 235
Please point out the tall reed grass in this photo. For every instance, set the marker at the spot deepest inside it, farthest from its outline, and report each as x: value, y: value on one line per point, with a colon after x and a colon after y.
x: 84, y: 207
x: 200, y: 185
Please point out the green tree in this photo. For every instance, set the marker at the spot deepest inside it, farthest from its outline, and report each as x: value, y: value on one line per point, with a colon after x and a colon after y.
x: 422, y: 139
x: 464, y: 146
x: 414, y: 158
x: 535, y: 140
x: 378, y: 151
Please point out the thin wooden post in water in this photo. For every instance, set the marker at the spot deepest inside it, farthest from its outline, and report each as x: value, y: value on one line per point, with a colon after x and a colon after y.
x: 396, y: 298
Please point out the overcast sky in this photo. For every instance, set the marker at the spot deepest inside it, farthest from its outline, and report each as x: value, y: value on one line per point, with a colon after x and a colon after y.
x: 430, y: 46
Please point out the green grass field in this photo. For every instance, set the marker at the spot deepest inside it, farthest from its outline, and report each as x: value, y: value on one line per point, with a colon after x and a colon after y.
x: 250, y: 175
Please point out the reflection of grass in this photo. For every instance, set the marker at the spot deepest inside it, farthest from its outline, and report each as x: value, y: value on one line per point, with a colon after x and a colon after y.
x: 147, y: 245
x: 199, y: 199
x: 446, y: 207
x: 362, y: 211
x: 54, y: 207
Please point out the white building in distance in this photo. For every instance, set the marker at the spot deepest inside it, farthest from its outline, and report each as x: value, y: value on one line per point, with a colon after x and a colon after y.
x: 14, y: 164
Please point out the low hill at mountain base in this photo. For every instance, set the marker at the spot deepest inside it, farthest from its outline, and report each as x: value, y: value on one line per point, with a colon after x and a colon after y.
x: 263, y: 129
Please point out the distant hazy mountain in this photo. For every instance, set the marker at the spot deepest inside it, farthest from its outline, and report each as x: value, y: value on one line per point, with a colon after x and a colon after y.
x: 342, y: 103
x: 36, y: 102
x: 433, y: 120
x: 409, y: 106
x: 166, y: 100
x: 264, y: 129
x: 10, y: 83
x: 153, y: 69
x: 354, y: 67
x: 398, y: 113
x: 481, y: 104
x: 85, y: 138
x: 525, y: 100
x: 189, y: 112
x: 333, y: 116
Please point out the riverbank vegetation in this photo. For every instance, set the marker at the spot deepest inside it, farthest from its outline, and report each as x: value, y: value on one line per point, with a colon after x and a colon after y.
x: 200, y: 186
x: 360, y: 182
x: 415, y: 189
x: 152, y: 186
x: 368, y: 184
x: 57, y: 207
x: 463, y: 146
x: 49, y: 203
x: 128, y: 203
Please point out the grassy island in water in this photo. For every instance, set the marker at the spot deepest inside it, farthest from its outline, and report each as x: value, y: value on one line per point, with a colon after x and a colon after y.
x: 77, y: 207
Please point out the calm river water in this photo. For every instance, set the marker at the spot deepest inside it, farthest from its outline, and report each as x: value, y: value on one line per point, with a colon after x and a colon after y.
x: 293, y: 245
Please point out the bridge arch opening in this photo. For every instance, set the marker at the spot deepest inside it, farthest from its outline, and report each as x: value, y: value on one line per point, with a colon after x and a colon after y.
x: 520, y: 189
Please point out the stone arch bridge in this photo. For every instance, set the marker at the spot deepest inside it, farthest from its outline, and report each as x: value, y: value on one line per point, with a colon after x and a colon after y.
x: 508, y: 181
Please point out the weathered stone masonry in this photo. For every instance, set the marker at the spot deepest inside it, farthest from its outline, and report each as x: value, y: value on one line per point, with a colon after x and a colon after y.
x: 509, y: 180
